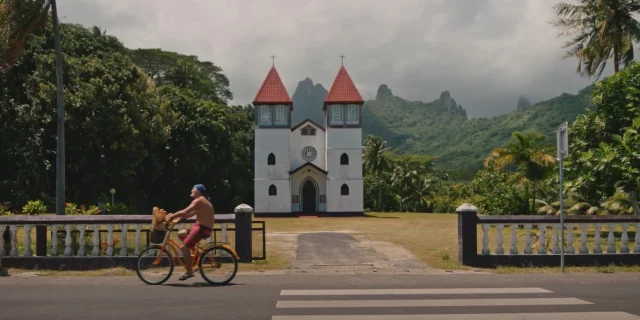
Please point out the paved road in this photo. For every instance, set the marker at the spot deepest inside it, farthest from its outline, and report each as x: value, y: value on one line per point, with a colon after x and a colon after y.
x: 340, y: 297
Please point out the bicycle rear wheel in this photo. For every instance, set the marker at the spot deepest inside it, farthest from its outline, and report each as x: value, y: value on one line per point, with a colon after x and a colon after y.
x: 218, y: 265
x: 154, y: 265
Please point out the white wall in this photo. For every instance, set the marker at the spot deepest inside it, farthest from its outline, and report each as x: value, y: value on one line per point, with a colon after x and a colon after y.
x: 339, y: 203
x: 338, y: 171
x: 266, y: 203
x: 344, y: 138
x: 299, y: 142
x: 349, y: 141
x: 296, y: 181
x: 274, y: 141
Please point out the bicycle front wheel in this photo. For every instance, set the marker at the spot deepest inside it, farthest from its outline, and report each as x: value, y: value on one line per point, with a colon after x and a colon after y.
x: 218, y: 265
x: 155, y: 265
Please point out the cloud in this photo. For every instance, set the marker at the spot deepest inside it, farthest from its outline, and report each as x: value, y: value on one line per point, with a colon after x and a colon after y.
x: 485, y: 52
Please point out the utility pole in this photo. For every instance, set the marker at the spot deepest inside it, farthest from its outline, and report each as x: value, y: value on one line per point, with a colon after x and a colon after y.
x: 563, y: 151
x: 60, y: 151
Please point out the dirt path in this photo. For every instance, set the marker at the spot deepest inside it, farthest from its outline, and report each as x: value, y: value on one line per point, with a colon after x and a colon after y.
x: 345, y: 252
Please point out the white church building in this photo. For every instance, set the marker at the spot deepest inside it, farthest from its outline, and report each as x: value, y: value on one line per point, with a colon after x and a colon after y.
x: 305, y: 168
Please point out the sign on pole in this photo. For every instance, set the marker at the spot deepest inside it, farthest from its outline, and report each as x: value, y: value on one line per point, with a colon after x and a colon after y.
x: 562, y: 137
x: 563, y: 151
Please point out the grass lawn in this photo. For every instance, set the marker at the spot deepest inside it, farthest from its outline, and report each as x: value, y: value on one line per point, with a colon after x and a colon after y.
x: 432, y: 238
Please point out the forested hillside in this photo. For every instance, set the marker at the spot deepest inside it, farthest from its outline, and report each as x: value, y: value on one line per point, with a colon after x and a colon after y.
x: 441, y: 127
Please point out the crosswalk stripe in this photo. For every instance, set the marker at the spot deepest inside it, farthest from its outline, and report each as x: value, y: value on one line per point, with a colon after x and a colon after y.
x: 411, y: 291
x: 428, y: 303
x: 484, y: 316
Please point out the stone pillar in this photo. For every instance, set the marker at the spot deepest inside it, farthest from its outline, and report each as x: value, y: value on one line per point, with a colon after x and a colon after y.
x: 41, y: 240
x: 467, y: 233
x: 243, y: 222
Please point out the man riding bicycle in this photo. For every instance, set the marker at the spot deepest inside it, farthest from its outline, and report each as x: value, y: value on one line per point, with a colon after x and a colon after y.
x: 202, y: 208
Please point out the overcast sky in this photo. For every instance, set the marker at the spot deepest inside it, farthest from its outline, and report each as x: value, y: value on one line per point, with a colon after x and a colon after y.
x: 485, y: 52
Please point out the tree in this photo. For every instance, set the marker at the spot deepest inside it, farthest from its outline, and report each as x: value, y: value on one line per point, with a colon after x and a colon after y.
x: 204, y: 78
x: 527, y: 152
x: 148, y: 142
x: 376, y: 161
x: 605, y: 142
x: 19, y: 19
x: 604, y: 30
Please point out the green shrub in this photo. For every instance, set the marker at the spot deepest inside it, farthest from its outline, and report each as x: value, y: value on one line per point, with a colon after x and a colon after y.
x: 91, y: 211
x: 71, y: 209
x: 4, y: 210
x: 34, y: 207
x: 118, y: 208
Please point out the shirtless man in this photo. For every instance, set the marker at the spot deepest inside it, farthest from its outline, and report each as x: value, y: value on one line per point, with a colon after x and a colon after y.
x: 202, y: 208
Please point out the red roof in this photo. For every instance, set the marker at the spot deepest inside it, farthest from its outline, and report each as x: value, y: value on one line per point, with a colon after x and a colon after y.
x: 272, y: 90
x: 343, y: 90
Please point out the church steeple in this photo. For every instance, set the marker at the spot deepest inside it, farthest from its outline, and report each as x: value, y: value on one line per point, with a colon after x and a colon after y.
x: 273, y: 91
x: 343, y: 90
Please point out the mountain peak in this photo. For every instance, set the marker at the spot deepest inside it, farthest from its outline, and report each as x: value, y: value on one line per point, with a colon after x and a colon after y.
x: 523, y: 102
x: 445, y: 95
x: 446, y: 100
x: 383, y: 91
x: 307, y: 99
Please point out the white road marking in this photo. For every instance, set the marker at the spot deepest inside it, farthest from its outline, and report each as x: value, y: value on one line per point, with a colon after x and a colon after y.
x: 485, y: 316
x: 429, y: 303
x: 343, y: 292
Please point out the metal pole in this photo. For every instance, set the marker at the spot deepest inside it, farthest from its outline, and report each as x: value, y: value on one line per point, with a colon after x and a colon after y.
x: 561, y: 217
x: 60, y: 154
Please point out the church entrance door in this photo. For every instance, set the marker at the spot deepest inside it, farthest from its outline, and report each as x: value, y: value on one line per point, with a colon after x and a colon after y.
x: 309, y: 197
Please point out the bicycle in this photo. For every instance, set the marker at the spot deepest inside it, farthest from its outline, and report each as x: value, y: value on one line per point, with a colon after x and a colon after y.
x: 171, y: 249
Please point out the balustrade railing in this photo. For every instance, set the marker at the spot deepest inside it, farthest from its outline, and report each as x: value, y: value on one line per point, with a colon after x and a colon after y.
x: 535, y: 240
x: 99, y: 241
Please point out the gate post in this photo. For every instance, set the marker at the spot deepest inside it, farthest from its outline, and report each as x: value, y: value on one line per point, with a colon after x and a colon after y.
x: 243, y: 222
x: 467, y: 234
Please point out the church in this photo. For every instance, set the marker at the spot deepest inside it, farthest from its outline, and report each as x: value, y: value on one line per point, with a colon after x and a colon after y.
x: 306, y: 168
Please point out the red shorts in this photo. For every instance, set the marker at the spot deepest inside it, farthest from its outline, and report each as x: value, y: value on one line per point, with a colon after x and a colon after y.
x: 196, y: 234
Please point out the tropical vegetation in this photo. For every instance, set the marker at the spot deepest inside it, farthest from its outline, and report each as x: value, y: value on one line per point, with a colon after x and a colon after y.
x: 149, y: 122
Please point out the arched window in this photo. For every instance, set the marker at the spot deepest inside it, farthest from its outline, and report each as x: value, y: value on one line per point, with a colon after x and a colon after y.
x: 344, y: 159
x: 272, y: 190
x: 344, y: 190
x: 271, y: 159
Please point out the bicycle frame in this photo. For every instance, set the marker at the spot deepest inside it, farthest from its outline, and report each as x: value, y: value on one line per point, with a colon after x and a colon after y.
x: 173, y: 249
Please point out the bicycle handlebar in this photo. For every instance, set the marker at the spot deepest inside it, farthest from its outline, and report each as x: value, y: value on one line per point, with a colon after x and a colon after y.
x: 171, y: 224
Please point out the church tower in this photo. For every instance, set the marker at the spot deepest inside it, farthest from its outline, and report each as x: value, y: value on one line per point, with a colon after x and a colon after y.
x: 343, y: 123
x: 272, y: 163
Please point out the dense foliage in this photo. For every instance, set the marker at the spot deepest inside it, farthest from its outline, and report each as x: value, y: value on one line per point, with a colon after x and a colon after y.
x: 602, y: 30
x: 150, y: 139
x: 602, y: 171
x: 460, y: 143
x: 152, y: 123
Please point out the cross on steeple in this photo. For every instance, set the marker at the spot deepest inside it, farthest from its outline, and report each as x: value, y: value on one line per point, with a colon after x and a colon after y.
x: 273, y: 60
x: 342, y: 56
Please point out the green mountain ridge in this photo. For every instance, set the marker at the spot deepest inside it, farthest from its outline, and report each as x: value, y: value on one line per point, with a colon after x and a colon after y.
x: 461, y: 143
x: 441, y: 127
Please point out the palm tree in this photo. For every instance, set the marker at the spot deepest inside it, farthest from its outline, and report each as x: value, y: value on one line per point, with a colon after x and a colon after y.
x: 376, y: 160
x: 405, y: 180
x: 60, y: 152
x: 19, y: 19
x: 525, y: 151
x: 604, y: 29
